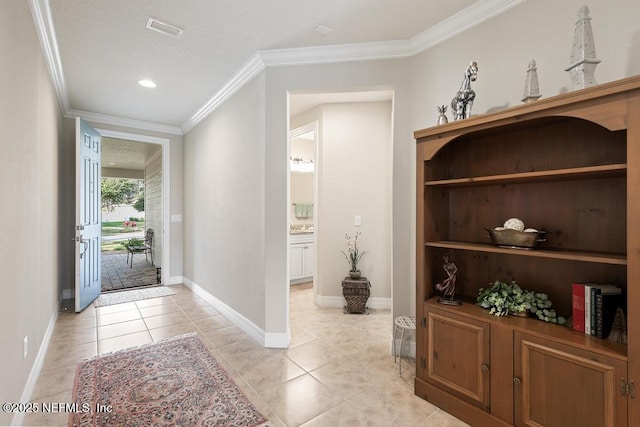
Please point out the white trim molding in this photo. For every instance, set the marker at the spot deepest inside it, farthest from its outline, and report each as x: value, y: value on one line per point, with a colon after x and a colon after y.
x: 246, y: 73
x: 165, y: 143
x: 476, y: 14
x: 267, y: 339
x: 44, y: 25
x: 277, y: 339
x: 336, y: 53
x: 121, y: 121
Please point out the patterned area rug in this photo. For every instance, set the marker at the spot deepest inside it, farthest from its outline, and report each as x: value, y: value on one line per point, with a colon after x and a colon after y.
x: 176, y: 382
x: 132, y: 295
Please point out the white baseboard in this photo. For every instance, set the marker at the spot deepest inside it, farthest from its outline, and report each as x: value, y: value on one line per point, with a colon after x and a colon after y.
x: 267, y: 339
x: 277, y: 339
x: 18, y: 418
x: 339, y: 302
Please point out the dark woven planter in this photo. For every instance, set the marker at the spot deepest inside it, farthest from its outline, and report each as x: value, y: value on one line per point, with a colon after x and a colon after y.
x: 356, y: 292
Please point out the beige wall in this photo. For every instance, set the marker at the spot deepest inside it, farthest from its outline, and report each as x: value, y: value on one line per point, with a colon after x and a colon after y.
x: 224, y: 184
x: 29, y: 141
x: 355, y: 170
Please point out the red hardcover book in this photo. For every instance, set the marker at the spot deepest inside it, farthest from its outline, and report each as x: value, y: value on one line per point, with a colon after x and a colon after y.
x: 577, y: 312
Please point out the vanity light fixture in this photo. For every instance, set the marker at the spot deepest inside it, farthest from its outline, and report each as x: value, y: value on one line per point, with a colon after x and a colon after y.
x: 147, y: 83
x: 299, y: 165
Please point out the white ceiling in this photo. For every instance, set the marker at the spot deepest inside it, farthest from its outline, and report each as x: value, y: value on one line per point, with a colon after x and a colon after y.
x: 125, y: 154
x: 99, y: 49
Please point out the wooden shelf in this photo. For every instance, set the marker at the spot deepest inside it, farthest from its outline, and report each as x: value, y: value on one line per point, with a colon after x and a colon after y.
x: 602, y: 171
x: 602, y: 258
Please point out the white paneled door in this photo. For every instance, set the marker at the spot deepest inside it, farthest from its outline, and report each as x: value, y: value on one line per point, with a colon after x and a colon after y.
x: 88, y: 215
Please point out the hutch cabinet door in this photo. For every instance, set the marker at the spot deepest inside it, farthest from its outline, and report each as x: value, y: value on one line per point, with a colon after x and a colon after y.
x: 458, y: 356
x: 559, y: 385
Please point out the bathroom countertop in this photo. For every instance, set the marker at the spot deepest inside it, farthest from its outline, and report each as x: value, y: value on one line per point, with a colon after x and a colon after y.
x: 296, y: 232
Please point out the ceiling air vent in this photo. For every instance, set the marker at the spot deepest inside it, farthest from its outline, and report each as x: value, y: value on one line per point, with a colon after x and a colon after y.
x: 164, y: 28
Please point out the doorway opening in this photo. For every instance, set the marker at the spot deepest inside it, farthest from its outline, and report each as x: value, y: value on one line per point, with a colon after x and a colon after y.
x: 134, y: 213
x: 303, y: 202
x: 352, y: 188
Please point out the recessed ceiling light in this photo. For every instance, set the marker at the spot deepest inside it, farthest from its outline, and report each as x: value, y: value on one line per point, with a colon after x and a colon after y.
x: 323, y: 29
x: 147, y: 83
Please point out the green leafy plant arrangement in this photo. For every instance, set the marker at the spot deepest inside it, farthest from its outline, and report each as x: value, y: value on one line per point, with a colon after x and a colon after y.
x: 133, y: 242
x: 504, y: 298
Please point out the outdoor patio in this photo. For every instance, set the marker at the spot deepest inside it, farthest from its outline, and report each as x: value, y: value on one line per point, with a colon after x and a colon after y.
x: 117, y: 274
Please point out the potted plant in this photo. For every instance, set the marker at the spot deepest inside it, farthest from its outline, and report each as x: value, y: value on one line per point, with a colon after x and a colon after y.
x: 355, y: 288
x: 508, y: 298
x: 133, y: 242
x: 353, y: 254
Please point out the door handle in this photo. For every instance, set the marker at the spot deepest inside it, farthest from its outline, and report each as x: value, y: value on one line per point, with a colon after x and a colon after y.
x: 85, y: 247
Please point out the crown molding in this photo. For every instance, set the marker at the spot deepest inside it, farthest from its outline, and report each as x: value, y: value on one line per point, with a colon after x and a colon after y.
x: 336, y: 53
x: 477, y: 13
x: 248, y: 71
x: 108, y: 133
x: 121, y: 121
x: 41, y: 14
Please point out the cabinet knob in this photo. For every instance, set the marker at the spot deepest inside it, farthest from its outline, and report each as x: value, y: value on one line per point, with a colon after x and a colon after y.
x: 485, y: 368
x: 516, y: 380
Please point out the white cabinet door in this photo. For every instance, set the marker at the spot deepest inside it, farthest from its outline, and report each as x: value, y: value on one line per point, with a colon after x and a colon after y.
x: 297, y: 262
x: 301, y: 257
x: 309, y: 260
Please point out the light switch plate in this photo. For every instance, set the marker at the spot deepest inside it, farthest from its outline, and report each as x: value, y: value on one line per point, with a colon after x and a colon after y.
x: 357, y: 220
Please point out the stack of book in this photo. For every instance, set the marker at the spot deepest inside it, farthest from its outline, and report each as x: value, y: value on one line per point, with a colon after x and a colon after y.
x: 594, y: 307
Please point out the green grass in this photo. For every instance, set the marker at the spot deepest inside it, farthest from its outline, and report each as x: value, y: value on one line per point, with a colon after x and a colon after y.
x: 109, y: 228
x: 113, y: 246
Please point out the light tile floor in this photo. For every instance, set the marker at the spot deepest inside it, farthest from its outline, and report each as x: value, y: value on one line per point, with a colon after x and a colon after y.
x: 338, y: 370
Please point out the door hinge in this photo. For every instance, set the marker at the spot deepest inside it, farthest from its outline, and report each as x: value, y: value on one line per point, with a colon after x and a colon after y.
x: 423, y: 363
x: 423, y: 321
x: 627, y: 388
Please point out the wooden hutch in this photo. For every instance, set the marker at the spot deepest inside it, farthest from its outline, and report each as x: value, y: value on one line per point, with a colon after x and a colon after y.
x: 569, y: 165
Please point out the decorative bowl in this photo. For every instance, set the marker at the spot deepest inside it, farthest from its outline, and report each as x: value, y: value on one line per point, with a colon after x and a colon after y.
x: 509, y: 238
